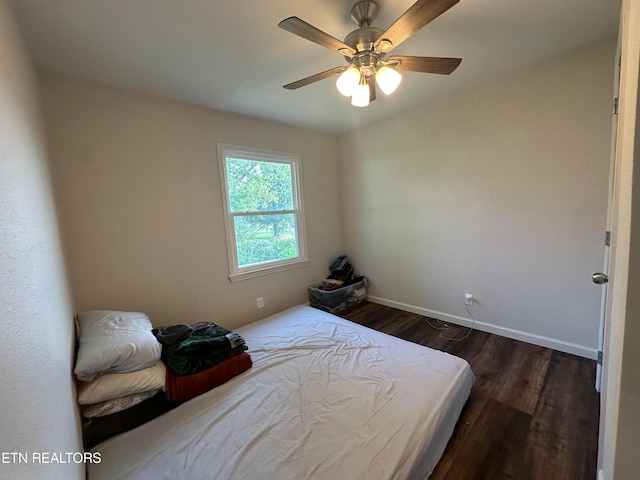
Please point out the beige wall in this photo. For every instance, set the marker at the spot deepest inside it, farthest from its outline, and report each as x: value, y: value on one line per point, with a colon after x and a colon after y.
x: 37, y: 397
x: 500, y: 191
x: 142, y: 217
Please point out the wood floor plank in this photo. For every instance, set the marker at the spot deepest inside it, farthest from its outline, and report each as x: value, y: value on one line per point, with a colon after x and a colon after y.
x: 533, y: 412
x: 561, y: 443
x: 490, y: 434
x: 512, y: 372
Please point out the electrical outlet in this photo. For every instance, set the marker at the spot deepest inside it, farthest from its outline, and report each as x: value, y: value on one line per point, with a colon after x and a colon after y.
x: 260, y: 302
x: 468, y: 299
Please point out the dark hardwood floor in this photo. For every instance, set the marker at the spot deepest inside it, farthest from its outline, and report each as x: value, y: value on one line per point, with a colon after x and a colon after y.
x: 532, y: 414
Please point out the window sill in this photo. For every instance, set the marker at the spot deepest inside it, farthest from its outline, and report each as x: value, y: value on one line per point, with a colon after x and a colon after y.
x: 267, y: 270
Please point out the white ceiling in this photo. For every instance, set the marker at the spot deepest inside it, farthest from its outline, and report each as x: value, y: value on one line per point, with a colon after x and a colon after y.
x: 230, y: 54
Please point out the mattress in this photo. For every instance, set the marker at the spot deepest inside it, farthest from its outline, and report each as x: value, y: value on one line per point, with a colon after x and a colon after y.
x: 325, y: 399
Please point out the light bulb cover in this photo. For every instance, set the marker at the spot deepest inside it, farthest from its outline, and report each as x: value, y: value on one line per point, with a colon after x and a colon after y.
x: 348, y: 81
x: 360, y: 97
x: 388, y: 79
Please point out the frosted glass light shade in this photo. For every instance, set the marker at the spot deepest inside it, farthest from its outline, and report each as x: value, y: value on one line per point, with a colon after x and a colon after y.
x: 360, y: 97
x: 348, y: 81
x: 388, y: 79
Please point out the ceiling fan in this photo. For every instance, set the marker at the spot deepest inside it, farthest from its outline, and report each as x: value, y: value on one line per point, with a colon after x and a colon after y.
x: 366, y: 49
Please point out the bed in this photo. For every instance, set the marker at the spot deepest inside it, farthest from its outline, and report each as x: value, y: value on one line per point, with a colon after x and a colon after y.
x: 325, y: 399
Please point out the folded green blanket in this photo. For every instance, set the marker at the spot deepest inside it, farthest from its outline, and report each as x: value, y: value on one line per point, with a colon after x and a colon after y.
x: 206, y: 346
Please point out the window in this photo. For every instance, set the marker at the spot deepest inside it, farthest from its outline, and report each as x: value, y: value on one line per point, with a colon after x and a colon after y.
x: 264, y: 219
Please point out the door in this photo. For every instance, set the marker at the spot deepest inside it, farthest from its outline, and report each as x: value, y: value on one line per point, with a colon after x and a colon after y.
x: 602, y: 278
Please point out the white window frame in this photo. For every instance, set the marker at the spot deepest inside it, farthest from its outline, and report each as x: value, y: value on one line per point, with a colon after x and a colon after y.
x: 236, y: 272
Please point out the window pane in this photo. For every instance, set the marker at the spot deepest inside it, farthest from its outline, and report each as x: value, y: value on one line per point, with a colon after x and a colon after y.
x: 257, y: 186
x: 265, y: 238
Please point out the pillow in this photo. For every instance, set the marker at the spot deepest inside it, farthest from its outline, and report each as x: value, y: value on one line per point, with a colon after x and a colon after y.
x: 115, y: 405
x: 114, y: 385
x: 111, y: 342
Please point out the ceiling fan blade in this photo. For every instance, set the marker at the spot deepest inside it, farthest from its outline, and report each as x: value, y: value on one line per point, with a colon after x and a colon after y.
x: 371, y: 81
x: 305, y: 30
x: 440, y: 65
x: 418, y: 15
x: 314, y: 78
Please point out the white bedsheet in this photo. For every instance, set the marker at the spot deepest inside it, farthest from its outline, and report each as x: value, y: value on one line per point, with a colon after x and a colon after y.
x: 325, y: 399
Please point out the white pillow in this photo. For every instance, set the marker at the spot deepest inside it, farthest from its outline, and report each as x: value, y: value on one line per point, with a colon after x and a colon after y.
x: 114, y: 385
x: 111, y: 342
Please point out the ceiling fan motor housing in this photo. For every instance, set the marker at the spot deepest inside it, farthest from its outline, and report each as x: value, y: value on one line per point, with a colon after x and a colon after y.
x: 363, y: 38
x: 364, y: 13
x: 366, y: 59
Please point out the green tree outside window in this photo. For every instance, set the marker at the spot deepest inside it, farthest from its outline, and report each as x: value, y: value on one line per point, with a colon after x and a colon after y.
x: 261, y: 202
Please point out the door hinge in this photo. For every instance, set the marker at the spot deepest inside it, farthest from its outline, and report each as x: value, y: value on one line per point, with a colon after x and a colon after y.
x: 615, y: 106
x: 599, y: 357
x: 607, y: 238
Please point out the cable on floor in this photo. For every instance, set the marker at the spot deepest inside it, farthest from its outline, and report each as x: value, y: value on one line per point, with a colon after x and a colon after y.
x: 445, y: 326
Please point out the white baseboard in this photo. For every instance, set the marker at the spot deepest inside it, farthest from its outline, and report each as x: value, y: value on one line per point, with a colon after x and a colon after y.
x: 560, y: 345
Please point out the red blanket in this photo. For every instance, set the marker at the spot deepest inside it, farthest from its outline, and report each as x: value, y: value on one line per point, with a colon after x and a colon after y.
x: 181, y: 388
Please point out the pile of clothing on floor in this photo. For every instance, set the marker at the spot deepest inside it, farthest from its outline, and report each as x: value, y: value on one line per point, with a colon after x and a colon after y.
x: 342, y: 275
x: 200, y: 357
